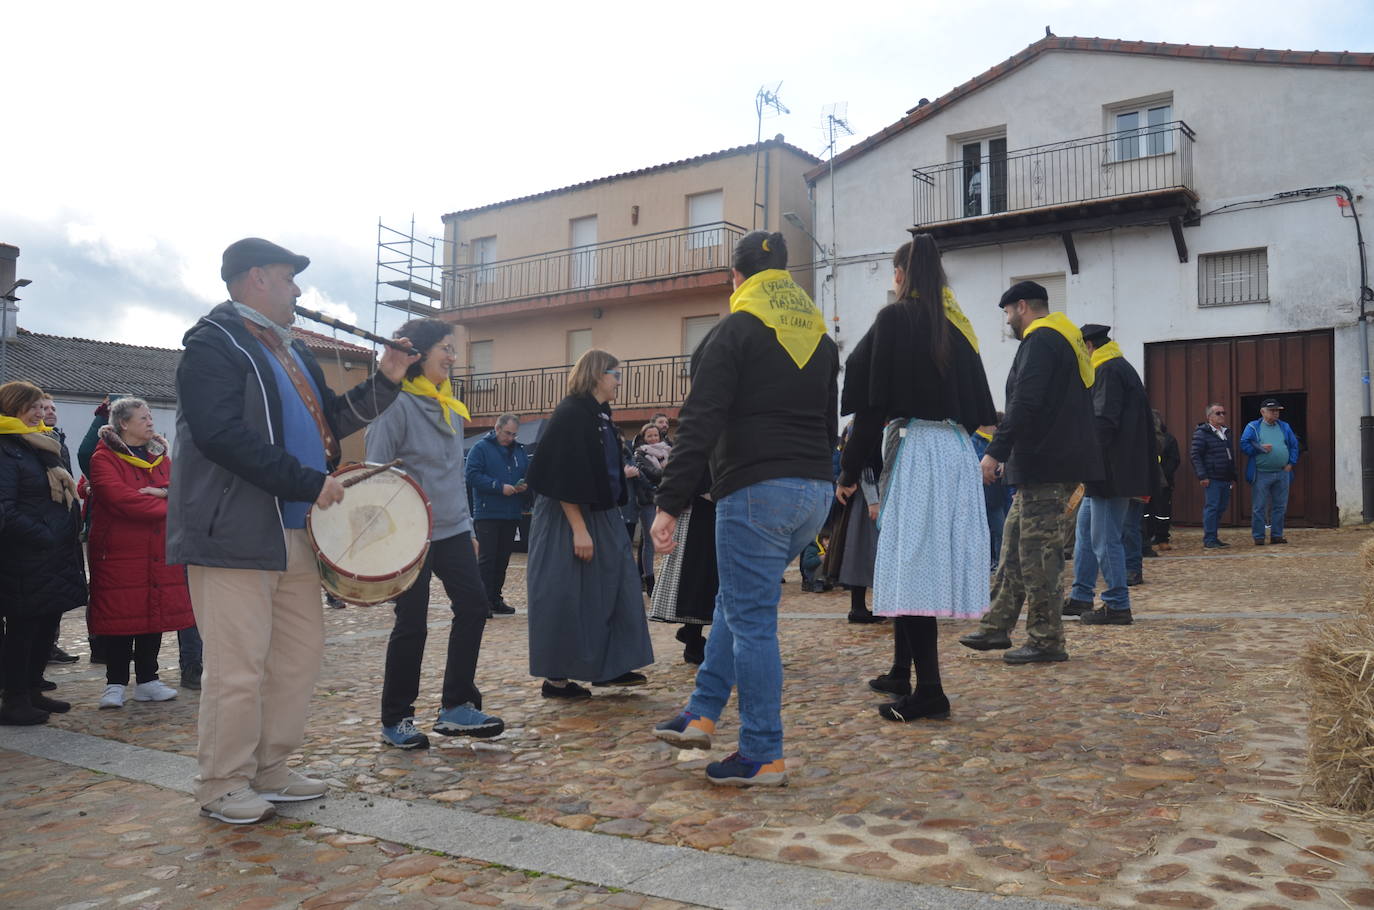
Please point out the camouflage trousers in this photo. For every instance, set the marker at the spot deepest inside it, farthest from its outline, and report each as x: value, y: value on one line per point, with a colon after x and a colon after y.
x: 1032, y: 561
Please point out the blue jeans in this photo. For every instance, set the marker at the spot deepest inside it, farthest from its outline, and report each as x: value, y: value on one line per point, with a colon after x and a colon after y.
x: 188, y: 648
x: 1097, y: 545
x: 1216, y: 497
x: 1270, y: 495
x: 1131, y: 538
x: 759, y: 530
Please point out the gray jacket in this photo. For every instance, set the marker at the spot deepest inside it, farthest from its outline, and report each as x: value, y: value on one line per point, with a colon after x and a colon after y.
x: 230, y: 472
x: 414, y: 431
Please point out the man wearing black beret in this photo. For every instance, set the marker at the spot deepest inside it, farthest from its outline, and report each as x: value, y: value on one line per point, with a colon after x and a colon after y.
x: 1045, y: 446
x: 257, y: 435
x: 1125, y: 432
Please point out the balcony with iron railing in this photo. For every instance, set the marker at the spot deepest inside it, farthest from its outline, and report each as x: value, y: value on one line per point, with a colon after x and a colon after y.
x: 648, y: 382
x: 1137, y: 176
x: 684, y: 252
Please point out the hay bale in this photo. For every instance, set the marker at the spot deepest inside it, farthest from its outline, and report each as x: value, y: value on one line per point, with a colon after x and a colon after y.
x: 1338, y: 664
x: 1367, y: 566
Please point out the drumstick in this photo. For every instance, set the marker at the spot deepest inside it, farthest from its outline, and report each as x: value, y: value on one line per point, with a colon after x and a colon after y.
x: 359, y: 476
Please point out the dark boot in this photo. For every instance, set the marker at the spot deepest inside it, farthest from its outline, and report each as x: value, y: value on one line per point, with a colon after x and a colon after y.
x: 694, y: 650
x: 18, y: 711
x: 51, y: 705
x: 649, y: 585
x: 932, y: 705
x: 190, y: 676
x: 986, y: 641
x: 1076, y: 607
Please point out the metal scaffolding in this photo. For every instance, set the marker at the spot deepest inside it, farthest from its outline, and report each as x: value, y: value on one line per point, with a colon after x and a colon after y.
x: 412, y: 265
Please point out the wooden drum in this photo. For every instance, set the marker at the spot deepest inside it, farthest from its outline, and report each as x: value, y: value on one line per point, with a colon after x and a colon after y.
x: 370, y: 547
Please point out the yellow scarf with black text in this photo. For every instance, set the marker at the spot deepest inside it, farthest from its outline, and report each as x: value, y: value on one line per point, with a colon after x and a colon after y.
x: 775, y: 300
x: 1061, y: 324
x: 1108, y: 351
x: 423, y: 387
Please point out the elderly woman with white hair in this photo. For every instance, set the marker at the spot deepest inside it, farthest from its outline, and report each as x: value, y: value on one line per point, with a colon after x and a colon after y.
x: 135, y: 595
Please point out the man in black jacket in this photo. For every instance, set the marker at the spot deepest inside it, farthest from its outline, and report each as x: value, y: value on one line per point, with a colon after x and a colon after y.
x: 1045, y: 446
x: 1125, y: 433
x: 257, y: 433
x: 1214, y: 463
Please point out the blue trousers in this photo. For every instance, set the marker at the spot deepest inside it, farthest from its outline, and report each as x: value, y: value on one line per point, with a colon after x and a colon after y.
x: 1216, y: 497
x: 1097, y: 546
x: 1270, y: 495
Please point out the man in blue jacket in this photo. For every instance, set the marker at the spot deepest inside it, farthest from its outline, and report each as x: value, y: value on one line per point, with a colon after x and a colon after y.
x: 1215, y: 467
x: 495, y: 474
x: 1271, y: 449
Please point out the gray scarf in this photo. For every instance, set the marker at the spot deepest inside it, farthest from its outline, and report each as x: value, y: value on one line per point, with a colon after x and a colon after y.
x: 252, y: 315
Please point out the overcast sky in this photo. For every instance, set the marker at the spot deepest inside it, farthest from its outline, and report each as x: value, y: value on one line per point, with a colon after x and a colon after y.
x: 141, y: 139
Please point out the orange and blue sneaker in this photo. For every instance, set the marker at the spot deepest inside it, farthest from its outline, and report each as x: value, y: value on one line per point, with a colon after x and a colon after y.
x: 691, y: 731
x: 737, y: 771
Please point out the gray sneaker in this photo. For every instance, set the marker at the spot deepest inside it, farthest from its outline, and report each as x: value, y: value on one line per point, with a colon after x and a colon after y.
x: 239, y: 807
x: 297, y: 787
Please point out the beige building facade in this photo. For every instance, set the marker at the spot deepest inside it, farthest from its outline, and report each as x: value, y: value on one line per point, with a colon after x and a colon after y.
x: 637, y: 264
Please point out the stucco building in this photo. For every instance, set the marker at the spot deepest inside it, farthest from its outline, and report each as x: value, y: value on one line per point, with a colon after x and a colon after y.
x: 636, y: 263
x: 1201, y: 201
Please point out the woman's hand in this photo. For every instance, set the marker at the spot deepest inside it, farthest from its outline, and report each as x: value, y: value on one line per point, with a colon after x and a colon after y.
x: 631, y: 471
x: 873, y: 512
x: 582, y: 544
x: 843, y: 493
x: 159, y: 492
x: 664, y: 527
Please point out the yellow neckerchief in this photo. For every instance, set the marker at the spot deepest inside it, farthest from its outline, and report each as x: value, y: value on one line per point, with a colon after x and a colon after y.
x: 982, y: 435
x: 959, y: 320
x: 774, y: 298
x: 1108, y: 351
x: 1061, y: 324
x: 139, y: 462
x: 424, y: 388
x: 13, y: 425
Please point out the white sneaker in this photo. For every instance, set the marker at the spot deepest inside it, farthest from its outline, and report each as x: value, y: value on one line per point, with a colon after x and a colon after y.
x: 113, y: 697
x: 154, y: 690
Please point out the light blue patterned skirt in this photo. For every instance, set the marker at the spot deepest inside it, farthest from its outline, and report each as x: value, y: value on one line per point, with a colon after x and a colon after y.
x: 933, y: 541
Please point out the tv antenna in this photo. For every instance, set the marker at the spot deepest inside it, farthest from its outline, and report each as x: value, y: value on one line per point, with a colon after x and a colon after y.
x: 834, y: 123
x: 766, y: 101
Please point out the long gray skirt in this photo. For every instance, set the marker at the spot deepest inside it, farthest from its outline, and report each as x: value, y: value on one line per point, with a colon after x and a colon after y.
x: 586, y: 619
x: 860, y: 545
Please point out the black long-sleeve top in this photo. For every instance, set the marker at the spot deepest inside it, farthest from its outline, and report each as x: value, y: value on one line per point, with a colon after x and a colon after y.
x: 752, y: 414
x: 892, y: 374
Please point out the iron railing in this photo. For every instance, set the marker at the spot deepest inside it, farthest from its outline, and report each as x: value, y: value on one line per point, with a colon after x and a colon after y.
x: 1144, y: 160
x: 666, y: 254
x: 649, y: 382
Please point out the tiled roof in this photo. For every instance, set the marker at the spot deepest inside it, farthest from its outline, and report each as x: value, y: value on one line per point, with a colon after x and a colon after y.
x: 317, y: 342
x: 81, y: 366
x: 1342, y: 59
x: 723, y: 153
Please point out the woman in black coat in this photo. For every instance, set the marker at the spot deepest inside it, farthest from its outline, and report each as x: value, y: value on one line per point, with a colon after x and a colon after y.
x: 42, y: 574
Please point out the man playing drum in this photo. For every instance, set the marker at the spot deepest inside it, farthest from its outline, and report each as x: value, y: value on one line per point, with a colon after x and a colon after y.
x: 257, y: 433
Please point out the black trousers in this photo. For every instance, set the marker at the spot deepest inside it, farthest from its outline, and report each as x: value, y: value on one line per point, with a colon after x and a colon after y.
x: 453, y: 561
x: 119, y: 649
x: 24, y: 652
x: 1159, y: 516
x: 495, y: 543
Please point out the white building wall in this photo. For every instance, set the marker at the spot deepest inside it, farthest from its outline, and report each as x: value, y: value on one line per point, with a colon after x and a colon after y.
x: 1261, y: 130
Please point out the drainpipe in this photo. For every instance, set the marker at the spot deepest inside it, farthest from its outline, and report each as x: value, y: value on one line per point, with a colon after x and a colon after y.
x: 1367, y: 412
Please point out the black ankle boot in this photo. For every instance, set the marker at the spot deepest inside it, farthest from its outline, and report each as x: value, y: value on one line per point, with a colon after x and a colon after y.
x: 694, y: 651
x: 931, y: 705
x: 51, y: 705
x: 18, y: 711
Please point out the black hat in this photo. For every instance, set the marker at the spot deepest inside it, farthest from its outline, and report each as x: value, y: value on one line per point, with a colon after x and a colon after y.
x: 242, y: 255
x: 1095, y: 333
x: 1024, y: 290
x: 1271, y: 403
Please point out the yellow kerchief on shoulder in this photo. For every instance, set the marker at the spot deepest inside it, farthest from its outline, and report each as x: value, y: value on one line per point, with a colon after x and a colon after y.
x: 959, y: 320
x: 1109, y: 351
x: 1061, y: 324
x: 424, y: 388
x: 775, y: 300
x: 13, y: 425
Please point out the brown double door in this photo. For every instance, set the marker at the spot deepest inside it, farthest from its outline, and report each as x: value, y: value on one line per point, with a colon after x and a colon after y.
x: 1183, y: 377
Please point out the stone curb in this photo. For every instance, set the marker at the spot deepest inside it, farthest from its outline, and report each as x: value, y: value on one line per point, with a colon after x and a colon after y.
x: 657, y: 870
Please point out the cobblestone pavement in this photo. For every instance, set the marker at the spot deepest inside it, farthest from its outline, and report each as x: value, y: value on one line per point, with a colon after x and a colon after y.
x: 1160, y: 766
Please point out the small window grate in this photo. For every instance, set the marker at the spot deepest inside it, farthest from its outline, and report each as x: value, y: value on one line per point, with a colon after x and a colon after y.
x: 1227, y: 279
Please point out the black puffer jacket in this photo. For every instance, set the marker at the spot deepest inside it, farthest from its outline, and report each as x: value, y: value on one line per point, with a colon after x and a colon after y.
x: 1213, y: 458
x: 41, y: 569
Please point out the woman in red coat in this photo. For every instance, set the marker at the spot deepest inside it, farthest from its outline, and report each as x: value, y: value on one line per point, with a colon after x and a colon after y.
x: 135, y: 595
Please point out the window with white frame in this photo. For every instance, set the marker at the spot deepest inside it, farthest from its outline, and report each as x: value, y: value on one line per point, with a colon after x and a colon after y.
x: 483, y: 254
x: 1235, y: 277
x: 1142, y: 129
x: 579, y: 343
x: 1053, y: 283
x: 695, y: 329
x: 479, y: 356
x: 984, y: 174
x: 704, y: 209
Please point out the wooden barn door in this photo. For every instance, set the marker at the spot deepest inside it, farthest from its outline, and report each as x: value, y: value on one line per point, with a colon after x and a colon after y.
x: 1183, y: 377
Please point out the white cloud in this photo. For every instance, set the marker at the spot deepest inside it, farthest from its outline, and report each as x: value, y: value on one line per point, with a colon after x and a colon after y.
x: 145, y: 325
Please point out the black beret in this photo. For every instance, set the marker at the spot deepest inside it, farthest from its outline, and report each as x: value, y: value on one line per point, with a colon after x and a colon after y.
x: 1024, y: 290
x: 242, y: 255
x: 1094, y: 332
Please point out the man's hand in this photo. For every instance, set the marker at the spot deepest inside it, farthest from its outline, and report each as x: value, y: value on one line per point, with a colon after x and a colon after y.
x: 521, y: 487
x: 1288, y: 467
x: 476, y: 547
x: 1266, y: 447
x: 992, y: 469
x: 330, y: 493
x: 662, y: 531
x: 873, y: 512
x: 508, y: 490
x: 1206, y: 482
x: 394, y: 363
x: 842, y: 494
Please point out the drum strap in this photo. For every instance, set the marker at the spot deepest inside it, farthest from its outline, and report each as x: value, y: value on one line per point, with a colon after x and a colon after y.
x: 304, y: 388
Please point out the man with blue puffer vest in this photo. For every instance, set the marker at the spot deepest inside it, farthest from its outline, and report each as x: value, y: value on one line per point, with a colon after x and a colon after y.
x: 495, y: 473
x: 1272, y: 450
